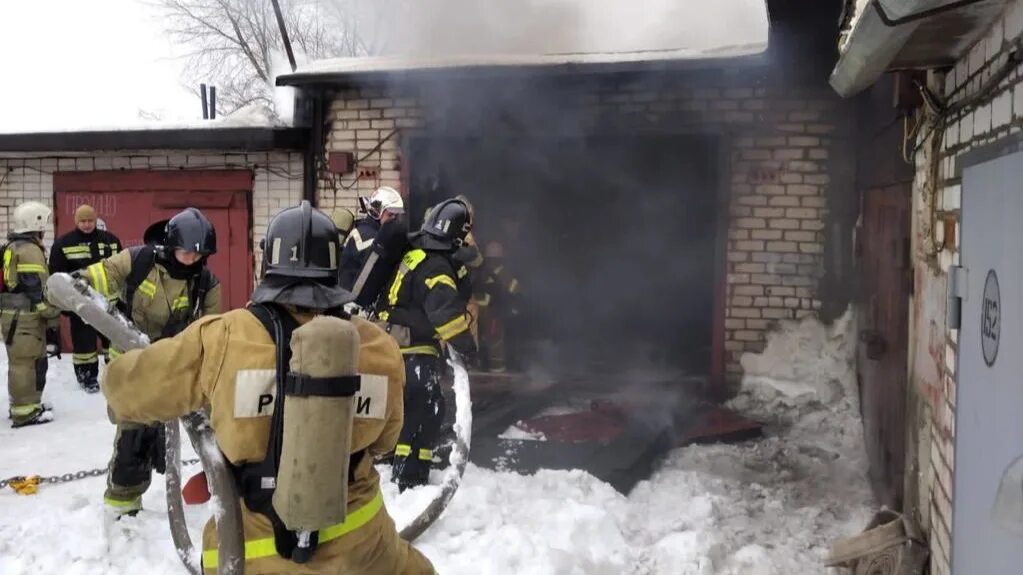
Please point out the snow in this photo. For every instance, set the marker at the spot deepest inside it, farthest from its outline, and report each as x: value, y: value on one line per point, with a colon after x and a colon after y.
x: 522, y: 434
x: 763, y: 507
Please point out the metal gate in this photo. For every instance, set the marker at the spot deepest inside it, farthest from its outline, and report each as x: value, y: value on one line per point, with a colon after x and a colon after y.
x: 989, y: 399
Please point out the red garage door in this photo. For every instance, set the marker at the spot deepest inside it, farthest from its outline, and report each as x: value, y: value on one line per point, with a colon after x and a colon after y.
x: 129, y: 201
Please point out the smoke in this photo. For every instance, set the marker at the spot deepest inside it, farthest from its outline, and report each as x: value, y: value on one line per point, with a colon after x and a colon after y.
x: 439, y: 28
x: 610, y: 232
x: 609, y: 225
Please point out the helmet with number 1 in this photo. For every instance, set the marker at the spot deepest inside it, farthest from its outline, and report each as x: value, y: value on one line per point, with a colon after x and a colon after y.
x: 300, y: 260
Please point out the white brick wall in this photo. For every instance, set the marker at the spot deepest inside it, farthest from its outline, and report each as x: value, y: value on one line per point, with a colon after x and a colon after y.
x: 277, y: 183
x: 781, y: 145
x: 1000, y: 114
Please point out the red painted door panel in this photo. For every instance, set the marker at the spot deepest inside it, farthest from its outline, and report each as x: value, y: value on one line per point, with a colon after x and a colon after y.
x: 129, y: 201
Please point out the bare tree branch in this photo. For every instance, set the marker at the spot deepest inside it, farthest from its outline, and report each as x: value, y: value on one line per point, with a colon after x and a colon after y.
x: 236, y: 46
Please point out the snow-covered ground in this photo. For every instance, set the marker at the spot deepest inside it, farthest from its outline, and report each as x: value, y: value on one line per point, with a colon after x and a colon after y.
x: 766, y: 507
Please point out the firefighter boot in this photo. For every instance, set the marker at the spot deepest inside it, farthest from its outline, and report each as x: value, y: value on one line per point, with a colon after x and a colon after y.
x: 36, y: 416
x: 87, y: 375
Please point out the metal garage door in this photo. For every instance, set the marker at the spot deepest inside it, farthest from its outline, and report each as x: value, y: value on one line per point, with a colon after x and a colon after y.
x: 129, y: 201
x: 989, y: 414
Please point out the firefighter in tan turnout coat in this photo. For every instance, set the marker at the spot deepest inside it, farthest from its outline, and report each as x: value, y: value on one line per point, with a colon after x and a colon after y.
x: 162, y: 289
x: 232, y: 363
x: 28, y: 322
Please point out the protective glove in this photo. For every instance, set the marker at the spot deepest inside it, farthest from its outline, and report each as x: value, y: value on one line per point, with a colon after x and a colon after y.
x: 53, y: 342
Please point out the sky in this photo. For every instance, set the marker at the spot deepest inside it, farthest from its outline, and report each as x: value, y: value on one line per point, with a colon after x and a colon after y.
x: 78, y: 64
x: 73, y: 64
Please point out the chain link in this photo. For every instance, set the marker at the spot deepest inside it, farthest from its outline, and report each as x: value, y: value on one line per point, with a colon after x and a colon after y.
x: 99, y: 471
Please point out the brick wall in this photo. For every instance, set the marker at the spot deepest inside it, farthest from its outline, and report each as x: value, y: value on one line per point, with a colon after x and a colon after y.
x: 781, y: 147
x: 937, y: 200
x: 277, y: 184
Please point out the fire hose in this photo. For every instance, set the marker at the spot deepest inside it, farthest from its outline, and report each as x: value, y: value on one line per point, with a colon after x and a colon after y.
x: 107, y: 320
x: 94, y: 310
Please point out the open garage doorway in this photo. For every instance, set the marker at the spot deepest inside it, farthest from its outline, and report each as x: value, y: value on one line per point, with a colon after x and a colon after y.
x: 617, y: 243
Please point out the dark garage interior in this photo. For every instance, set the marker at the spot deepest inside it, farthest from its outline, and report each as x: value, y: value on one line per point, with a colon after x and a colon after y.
x: 613, y: 238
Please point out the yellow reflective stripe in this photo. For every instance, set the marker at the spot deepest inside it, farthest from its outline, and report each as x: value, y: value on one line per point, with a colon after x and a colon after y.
x: 147, y: 288
x: 441, y: 279
x: 260, y: 548
x: 80, y: 358
x: 425, y: 349
x: 41, y: 306
x: 21, y: 410
x: 180, y: 303
x: 408, y: 263
x: 384, y: 315
x: 99, y: 278
x: 402, y: 449
x: 32, y: 268
x: 514, y: 286
x: 76, y: 249
x: 78, y: 256
x: 426, y: 454
x: 462, y: 272
x: 112, y: 353
x: 453, y: 327
x: 8, y: 279
x: 132, y: 504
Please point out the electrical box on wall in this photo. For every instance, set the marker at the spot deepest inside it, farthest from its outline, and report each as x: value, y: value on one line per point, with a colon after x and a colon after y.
x: 341, y: 162
x: 906, y: 95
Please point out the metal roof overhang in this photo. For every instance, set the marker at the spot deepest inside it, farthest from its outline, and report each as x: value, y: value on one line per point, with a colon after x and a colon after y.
x: 910, y: 34
x: 355, y: 71
x: 234, y: 139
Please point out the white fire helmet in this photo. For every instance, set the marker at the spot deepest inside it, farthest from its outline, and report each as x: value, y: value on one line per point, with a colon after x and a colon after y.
x: 384, y: 199
x: 31, y: 217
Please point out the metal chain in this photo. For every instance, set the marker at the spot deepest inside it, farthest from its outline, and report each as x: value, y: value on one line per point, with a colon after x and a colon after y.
x: 77, y: 475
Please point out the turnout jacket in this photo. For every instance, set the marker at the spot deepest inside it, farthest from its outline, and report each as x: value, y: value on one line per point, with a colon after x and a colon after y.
x: 76, y: 250
x: 162, y: 305
x: 227, y: 361
x: 25, y: 272
x: 356, y: 250
x: 428, y: 295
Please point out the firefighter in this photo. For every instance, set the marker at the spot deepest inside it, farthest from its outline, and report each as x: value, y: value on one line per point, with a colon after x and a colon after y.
x: 161, y: 288
x: 344, y: 221
x: 230, y: 363
x: 494, y: 291
x: 383, y: 208
x: 426, y: 307
x: 77, y: 249
x: 29, y: 324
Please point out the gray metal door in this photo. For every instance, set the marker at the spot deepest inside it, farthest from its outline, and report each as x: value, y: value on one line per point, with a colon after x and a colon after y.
x: 989, y: 399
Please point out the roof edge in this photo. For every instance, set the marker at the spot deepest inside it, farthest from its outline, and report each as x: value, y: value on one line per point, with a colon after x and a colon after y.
x: 872, y: 45
x: 241, y: 139
x: 343, y: 78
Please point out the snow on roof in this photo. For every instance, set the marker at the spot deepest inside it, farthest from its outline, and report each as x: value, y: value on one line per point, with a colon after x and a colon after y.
x: 341, y: 67
x: 252, y: 116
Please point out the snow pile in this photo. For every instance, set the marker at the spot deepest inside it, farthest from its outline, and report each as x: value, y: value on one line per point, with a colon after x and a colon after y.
x: 521, y: 434
x: 766, y: 507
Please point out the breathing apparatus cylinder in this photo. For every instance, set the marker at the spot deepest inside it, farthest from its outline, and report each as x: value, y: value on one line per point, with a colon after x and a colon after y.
x: 319, y: 406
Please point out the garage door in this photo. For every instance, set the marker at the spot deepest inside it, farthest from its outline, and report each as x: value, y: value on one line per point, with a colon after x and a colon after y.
x: 616, y: 241
x: 987, y: 530
x: 129, y: 201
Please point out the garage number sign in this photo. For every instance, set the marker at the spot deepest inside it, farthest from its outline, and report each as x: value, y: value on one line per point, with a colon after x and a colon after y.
x: 990, y: 319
